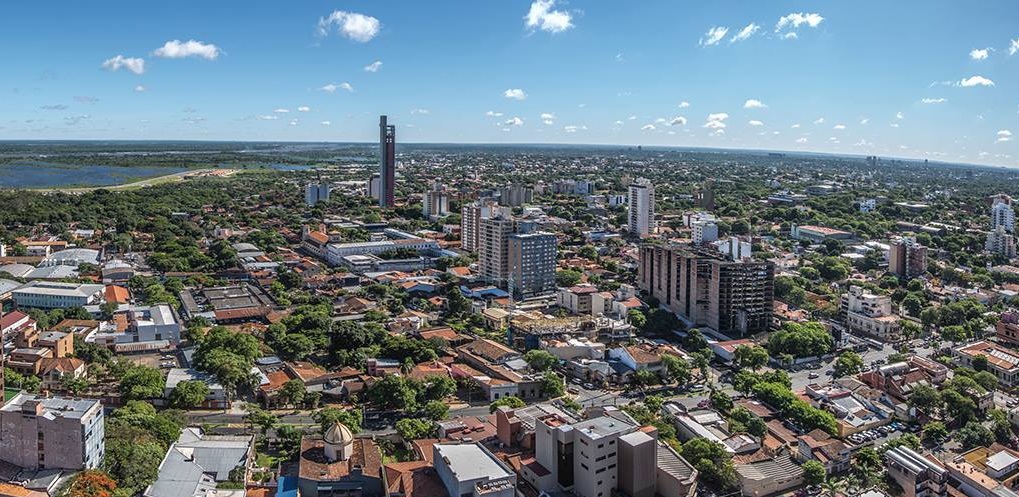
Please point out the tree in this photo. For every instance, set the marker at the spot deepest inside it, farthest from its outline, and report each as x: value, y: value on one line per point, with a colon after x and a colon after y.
x: 695, y: 341
x: 751, y: 357
x: 509, y: 401
x: 436, y: 410
x: 935, y: 432
x: 258, y: 417
x: 351, y: 418
x: 289, y: 437
x: 973, y: 435
x: 540, y: 360
x: 292, y: 392
x: 676, y: 368
x: 415, y: 428
x: 89, y: 483
x: 712, y: 461
x: 848, y: 363
x: 645, y: 377
x: 142, y: 382
x: 552, y: 385
x: 832, y: 488
x: 567, y: 277
x: 189, y: 394
x: 800, y: 340
x: 813, y: 472
x: 979, y: 363
x: 721, y: 401
x: 393, y: 392
x: 926, y: 400
x: 132, y: 462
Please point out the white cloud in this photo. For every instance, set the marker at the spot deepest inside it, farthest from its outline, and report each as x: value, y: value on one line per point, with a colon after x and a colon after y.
x: 1013, y: 46
x: 938, y: 100
x: 631, y: 118
x: 755, y: 123
x: 833, y: 139
x: 493, y: 113
x: 863, y: 143
x: 684, y: 104
x: 716, y: 121
x: 677, y: 121
x: 894, y: 125
x: 745, y: 33
x: 974, y: 81
x: 795, y: 126
x: 325, y: 123
x: 515, y: 94
x: 819, y: 120
x: 801, y: 140
x: 282, y: 111
x: 548, y: 118
x: 753, y: 104
x: 354, y: 26
x: 797, y: 19
x: 979, y: 53
x: 513, y: 121
x: 293, y: 122
x: 713, y: 36
x: 423, y: 112
x: 573, y: 129
x: 542, y: 16
x: 374, y: 66
x: 619, y: 57
x: 899, y: 115
x: 648, y: 127
x: 304, y: 108
x: 176, y: 49
x: 135, y: 65
x: 790, y: 36
x: 1004, y: 135
x: 864, y: 121
x: 332, y: 87
x: 140, y: 88
x: 267, y: 117
x: 839, y: 127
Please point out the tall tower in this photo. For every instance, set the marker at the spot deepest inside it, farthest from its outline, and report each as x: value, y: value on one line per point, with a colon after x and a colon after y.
x: 641, y: 212
x: 387, y: 161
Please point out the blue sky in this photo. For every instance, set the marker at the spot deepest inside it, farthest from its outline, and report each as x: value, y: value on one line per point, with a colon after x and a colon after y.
x: 902, y: 78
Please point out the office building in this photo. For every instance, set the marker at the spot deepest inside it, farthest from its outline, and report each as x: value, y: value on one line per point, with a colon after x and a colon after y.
x: 53, y: 295
x: 435, y: 203
x: 387, y: 163
x: 315, y: 193
x: 907, y: 258
x: 704, y: 198
x: 705, y: 288
x: 1002, y: 213
x: 1001, y: 361
x: 1000, y: 242
x: 469, y: 469
x: 532, y: 263
x: 869, y: 314
x: 641, y: 208
x: 516, y: 195
x: 917, y: 475
x: 52, y: 433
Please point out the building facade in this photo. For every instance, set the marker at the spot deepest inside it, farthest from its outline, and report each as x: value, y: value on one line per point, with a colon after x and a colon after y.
x: 387, y: 163
x: 315, y: 193
x: 869, y: 314
x: 54, y: 295
x: 532, y: 263
x: 907, y: 258
x: 52, y: 433
x: 641, y: 208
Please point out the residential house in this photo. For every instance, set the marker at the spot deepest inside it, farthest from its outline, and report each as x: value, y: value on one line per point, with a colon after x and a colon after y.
x: 197, y: 463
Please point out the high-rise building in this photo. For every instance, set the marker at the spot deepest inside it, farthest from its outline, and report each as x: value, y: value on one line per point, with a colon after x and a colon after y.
x: 493, y: 248
x: 532, y: 263
x: 907, y: 258
x: 373, y: 186
x: 706, y: 288
x: 1000, y: 242
x: 641, y: 213
x: 387, y: 162
x: 1002, y: 213
x: 704, y: 232
x: 704, y: 198
x: 516, y: 195
x: 315, y: 193
x: 435, y: 203
x: 52, y: 433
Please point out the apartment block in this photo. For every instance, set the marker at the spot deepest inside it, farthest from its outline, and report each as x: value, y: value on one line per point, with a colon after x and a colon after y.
x: 907, y: 258
x: 52, y: 433
x: 919, y: 476
x: 869, y: 314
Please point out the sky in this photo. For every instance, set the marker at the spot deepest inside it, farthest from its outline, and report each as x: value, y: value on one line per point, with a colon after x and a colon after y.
x: 934, y: 79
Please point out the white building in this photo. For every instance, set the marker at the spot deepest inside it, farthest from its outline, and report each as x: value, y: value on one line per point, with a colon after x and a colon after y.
x: 641, y: 210
x: 52, y: 433
x: 1001, y: 242
x: 870, y: 314
x: 1002, y: 213
x: 52, y: 295
x: 734, y: 248
x: 704, y: 232
x: 469, y: 469
x: 868, y: 205
x: 435, y: 203
x: 315, y: 193
x: 149, y: 328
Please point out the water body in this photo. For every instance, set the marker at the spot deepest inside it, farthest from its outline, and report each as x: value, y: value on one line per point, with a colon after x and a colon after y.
x: 46, y: 175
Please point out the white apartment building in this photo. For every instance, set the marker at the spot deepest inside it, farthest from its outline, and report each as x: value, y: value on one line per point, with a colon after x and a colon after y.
x: 704, y: 232
x: 54, y: 295
x: 435, y: 203
x: 870, y: 314
x: 641, y: 208
x: 1002, y: 213
x: 1001, y: 242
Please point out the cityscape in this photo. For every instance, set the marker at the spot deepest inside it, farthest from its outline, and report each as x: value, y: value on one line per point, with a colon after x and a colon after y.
x: 478, y: 302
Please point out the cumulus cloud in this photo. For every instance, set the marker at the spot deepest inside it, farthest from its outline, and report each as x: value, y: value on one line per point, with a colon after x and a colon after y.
x: 938, y: 100
x: 176, y: 49
x: 573, y: 129
x: 745, y: 33
x: 974, y: 81
x: 332, y: 87
x: 1013, y: 46
x: 979, y: 53
x: 1004, y: 135
x: 304, y: 108
x: 684, y: 104
x: 839, y: 127
x: 133, y: 64
x: 648, y: 127
x: 547, y: 118
x: 789, y: 36
x: 293, y: 122
x: 795, y: 126
x: 374, y: 66
x: 716, y: 121
x: 753, y: 104
x: 797, y: 19
x: 543, y: 16
x: 677, y: 121
x: 801, y: 140
x: 515, y: 94
x: 755, y: 123
x: 513, y: 121
x: 351, y: 25
x: 140, y: 88
x: 282, y: 111
x: 899, y: 115
x: 819, y: 120
x: 864, y: 121
x: 493, y: 113
x: 713, y: 36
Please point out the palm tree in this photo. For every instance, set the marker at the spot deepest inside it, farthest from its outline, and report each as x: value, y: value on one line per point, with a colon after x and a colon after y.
x: 832, y: 488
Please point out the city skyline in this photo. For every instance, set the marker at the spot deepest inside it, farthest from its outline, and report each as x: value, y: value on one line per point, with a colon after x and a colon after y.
x: 790, y: 76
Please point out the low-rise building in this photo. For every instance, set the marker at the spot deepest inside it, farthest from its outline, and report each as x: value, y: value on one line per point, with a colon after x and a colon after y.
x: 197, y: 463
x: 339, y: 464
x: 1001, y: 361
x: 471, y: 469
x: 917, y: 475
x: 870, y: 314
x: 54, y: 295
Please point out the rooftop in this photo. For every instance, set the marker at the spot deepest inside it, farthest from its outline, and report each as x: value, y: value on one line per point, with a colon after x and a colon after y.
x: 470, y: 461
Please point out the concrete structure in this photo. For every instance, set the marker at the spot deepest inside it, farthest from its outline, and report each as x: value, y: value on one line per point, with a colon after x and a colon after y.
x: 196, y: 463
x: 469, y: 469
x: 1002, y: 213
x: 73, y: 257
x: 373, y: 186
x: 734, y: 248
x: 919, y: 476
x: 52, y: 295
x: 1000, y: 242
x: 516, y: 195
x: 869, y: 314
x: 52, y: 433
x: 704, y: 232
x: 706, y: 289
x: 641, y: 208
x: 493, y: 249
x: 337, y: 464
x: 532, y: 263
x: 1002, y: 362
x: 315, y: 193
x: 387, y: 163
x: 769, y: 476
x: 907, y: 258
x: 435, y: 203
x: 818, y: 234
x: 470, y: 223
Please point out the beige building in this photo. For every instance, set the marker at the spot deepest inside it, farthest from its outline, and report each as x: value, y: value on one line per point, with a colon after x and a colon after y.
x: 919, y: 476
x: 52, y: 433
x: 870, y: 314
